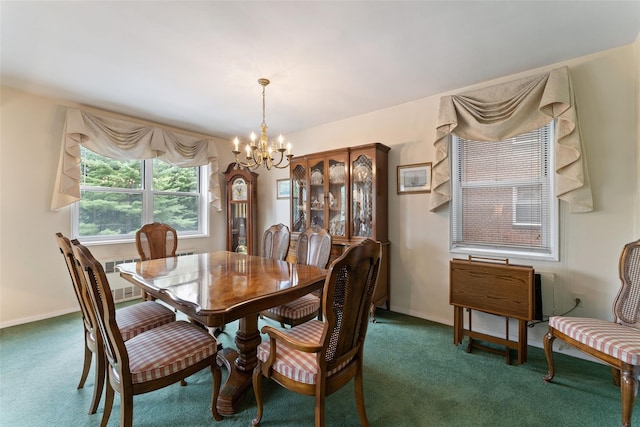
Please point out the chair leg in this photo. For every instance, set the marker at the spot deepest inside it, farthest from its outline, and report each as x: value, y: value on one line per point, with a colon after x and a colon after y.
x: 320, y: 404
x: 88, y: 354
x: 359, y: 387
x: 217, y: 379
x: 615, y: 374
x: 108, y: 405
x: 628, y: 391
x: 257, y: 391
x: 126, y: 409
x: 548, y: 351
x: 98, y: 386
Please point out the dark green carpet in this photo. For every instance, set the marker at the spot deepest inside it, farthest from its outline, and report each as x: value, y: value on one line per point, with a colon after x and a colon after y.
x: 413, y: 376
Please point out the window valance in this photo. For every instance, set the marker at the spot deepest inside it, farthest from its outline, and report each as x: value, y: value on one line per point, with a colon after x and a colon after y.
x: 509, y: 109
x: 123, y: 140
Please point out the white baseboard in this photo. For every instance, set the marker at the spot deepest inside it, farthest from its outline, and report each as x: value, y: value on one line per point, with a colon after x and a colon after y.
x: 38, y: 317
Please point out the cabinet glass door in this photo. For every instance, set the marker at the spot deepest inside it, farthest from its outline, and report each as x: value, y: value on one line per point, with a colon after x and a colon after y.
x: 298, y: 198
x: 337, y: 197
x: 317, y: 193
x: 362, y: 196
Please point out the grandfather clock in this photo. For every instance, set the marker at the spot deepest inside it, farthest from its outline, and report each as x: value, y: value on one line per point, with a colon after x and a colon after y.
x: 242, y: 196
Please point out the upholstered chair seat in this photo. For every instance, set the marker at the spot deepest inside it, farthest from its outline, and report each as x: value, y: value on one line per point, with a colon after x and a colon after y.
x: 616, y: 342
x: 144, y: 316
x: 295, y: 364
x: 313, y: 248
x: 612, y: 339
x: 302, y: 308
x: 165, y: 350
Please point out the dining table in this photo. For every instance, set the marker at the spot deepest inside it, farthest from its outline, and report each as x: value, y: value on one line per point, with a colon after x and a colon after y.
x: 216, y: 288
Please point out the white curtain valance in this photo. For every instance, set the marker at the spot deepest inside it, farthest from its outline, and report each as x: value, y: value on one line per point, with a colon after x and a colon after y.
x: 123, y: 140
x: 502, y: 111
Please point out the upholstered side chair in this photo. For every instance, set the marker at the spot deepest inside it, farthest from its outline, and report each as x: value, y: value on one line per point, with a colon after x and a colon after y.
x: 131, y: 320
x: 617, y: 342
x: 156, y: 240
x: 313, y: 248
x: 275, y: 243
x: 149, y: 361
x: 317, y: 357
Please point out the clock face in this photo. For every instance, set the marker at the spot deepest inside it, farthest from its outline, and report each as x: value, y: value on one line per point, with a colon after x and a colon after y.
x: 239, y: 189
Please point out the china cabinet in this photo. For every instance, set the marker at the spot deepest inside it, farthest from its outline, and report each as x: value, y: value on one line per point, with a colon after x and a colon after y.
x: 346, y: 192
x: 241, y: 185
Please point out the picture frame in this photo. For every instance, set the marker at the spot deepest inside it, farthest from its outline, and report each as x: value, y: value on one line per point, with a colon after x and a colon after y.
x: 283, y: 188
x: 414, y: 178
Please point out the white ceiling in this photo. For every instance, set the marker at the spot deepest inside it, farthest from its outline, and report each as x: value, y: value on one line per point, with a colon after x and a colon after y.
x: 195, y: 65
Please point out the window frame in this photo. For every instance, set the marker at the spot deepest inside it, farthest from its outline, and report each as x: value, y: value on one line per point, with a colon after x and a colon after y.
x: 148, y: 194
x: 549, y: 234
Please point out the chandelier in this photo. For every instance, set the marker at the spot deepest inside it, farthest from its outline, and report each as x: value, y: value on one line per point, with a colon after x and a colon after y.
x: 261, y: 152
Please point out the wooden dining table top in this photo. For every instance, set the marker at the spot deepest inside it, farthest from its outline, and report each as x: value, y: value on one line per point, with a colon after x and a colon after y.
x: 220, y: 287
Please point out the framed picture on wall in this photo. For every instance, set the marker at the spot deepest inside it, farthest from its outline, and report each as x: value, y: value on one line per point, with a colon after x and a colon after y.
x: 415, y: 178
x: 283, y: 188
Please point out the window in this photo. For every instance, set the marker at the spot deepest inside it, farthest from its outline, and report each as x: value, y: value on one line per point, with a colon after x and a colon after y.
x: 119, y: 196
x: 502, y: 196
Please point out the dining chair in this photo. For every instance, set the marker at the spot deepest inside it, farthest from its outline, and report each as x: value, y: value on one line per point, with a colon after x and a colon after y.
x: 317, y: 357
x: 275, y: 243
x: 617, y: 342
x: 313, y: 248
x: 156, y: 240
x: 149, y: 361
x: 131, y: 320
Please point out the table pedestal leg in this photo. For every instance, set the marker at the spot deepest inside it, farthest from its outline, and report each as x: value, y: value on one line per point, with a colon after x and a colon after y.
x: 240, y: 365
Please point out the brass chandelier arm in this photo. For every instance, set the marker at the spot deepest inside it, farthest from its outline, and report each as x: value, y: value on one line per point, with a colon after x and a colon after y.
x: 254, y: 161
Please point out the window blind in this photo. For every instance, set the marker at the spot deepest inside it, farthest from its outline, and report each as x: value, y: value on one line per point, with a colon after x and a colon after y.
x: 502, y: 193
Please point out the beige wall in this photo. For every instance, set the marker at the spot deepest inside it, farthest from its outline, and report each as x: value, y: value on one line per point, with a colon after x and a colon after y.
x: 34, y: 283
x: 606, y: 90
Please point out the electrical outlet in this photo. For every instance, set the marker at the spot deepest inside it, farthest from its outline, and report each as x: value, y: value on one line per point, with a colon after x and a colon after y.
x: 575, y: 297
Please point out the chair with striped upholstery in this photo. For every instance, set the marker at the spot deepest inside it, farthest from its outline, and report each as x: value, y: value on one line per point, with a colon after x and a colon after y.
x: 313, y: 248
x: 156, y: 240
x: 149, y: 361
x: 317, y: 358
x: 275, y: 243
x: 617, y: 342
x: 132, y: 320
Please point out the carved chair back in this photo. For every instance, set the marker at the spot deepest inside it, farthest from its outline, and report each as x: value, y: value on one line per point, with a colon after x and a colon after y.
x: 626, y: 306
x: 94, y: 279
x: 346, y: 302
x: 81, y: 293
x: 314, y: 247
x: 156, y: 240
x: 275, y: 243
